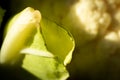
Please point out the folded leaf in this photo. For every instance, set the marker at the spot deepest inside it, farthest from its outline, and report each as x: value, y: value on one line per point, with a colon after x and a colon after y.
x: 42, y: 63
x: 47, y: 48
x: 36, y: 46
x: 58, y: 40
x: 19, y: 30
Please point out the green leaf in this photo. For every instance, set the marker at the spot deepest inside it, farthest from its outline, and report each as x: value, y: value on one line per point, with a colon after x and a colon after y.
x: 19, y: 30
x: 45, y: 68
x: 36, y: 46
x: 43, y: 64
x: 58, y: 40
x: 47, y: 48
x: 49, y: 65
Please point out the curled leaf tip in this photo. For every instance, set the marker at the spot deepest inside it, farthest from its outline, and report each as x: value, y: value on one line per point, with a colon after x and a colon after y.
x: 19, y: 29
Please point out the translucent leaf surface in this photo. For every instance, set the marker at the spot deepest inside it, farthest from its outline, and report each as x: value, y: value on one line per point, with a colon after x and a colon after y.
x: 57, y: 40
x: 47, y: 46
x: 45, y: 68
x: 47, y: 65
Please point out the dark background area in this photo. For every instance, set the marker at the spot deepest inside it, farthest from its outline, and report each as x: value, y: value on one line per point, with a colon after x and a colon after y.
x: 4, y: 4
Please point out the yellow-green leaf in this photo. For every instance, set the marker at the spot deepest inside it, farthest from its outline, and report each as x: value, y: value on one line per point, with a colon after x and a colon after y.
x: 20, y: 28
x: 58, y: 40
